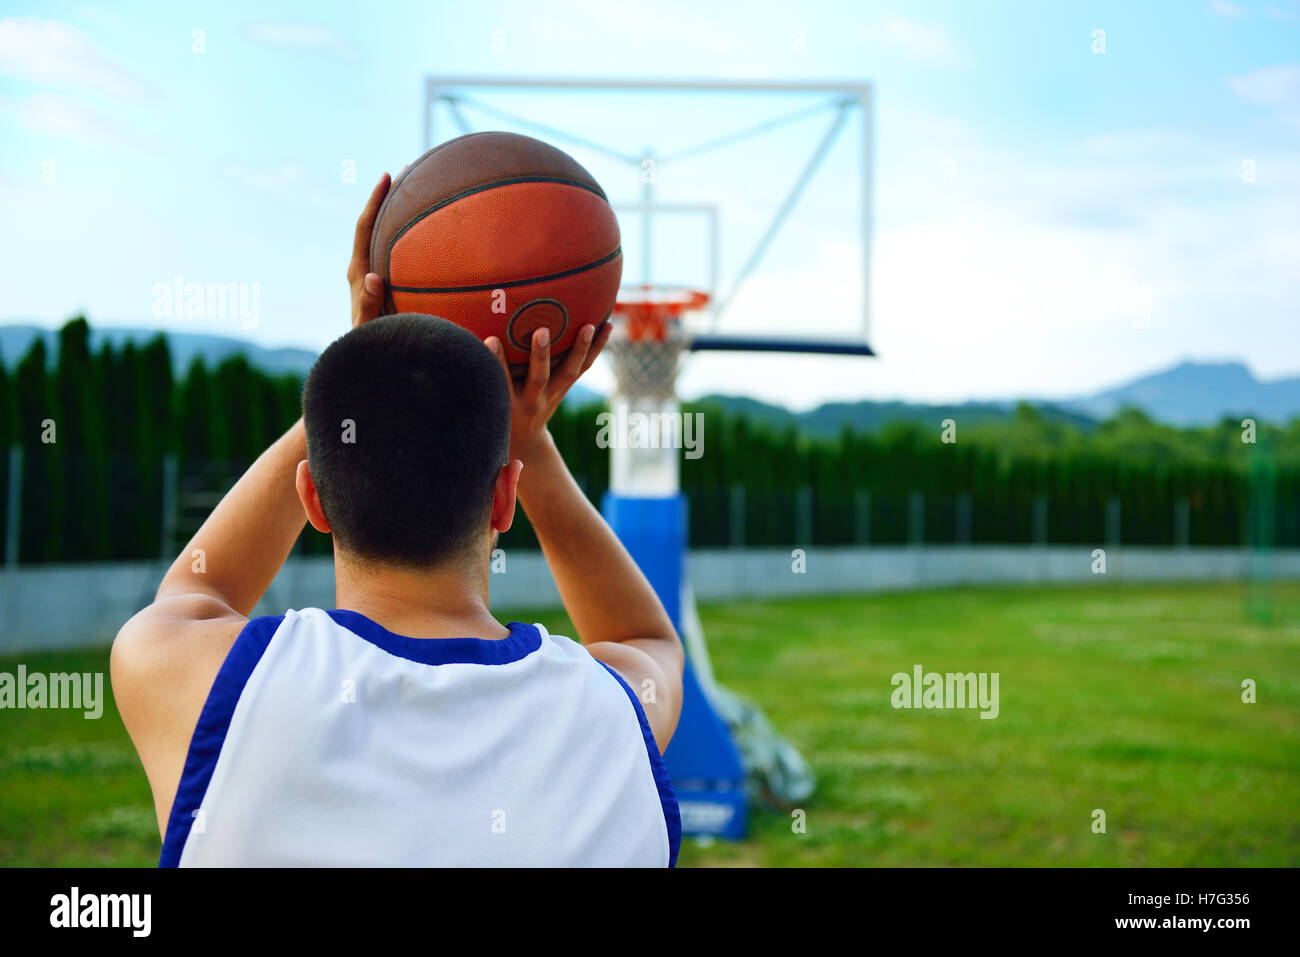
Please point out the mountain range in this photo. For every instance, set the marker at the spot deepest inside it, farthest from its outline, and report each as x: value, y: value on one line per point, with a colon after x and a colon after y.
x: 1188, y: 394
x: 15, y: 340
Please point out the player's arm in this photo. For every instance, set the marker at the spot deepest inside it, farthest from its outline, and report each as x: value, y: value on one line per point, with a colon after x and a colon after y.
x: 238, y: 551
x: 165, y: 658
x: 618, y: 616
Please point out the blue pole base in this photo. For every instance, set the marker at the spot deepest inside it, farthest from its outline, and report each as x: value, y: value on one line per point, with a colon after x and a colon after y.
x: 702, y: 759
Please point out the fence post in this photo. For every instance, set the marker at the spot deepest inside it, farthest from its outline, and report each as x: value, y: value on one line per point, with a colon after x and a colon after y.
x: 964, y: 517
x: 1261, y: 517
x: 862, y: 518
x: 1112, y: 520
x: 14, y: 507
x: 170, y: 475
x: 1182, y: 523
x: 916, y: 518
x: 736, y: 527
x: 803, y: 517
x: 1038, y: 522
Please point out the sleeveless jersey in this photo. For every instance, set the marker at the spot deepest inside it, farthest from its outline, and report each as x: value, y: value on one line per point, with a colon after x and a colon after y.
x: 327, y: 740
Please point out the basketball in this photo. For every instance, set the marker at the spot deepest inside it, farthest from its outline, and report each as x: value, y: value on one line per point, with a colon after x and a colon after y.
x: 501, y: 234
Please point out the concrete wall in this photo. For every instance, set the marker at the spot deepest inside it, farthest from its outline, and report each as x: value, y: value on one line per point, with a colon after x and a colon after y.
x: 72, y: 606
x: 726, y: 574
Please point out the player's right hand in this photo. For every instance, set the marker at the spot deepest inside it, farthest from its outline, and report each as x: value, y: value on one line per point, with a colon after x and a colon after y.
x: 534, y: 400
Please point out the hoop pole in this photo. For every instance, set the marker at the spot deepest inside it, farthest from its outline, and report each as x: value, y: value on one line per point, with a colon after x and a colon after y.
x: 647, y: 204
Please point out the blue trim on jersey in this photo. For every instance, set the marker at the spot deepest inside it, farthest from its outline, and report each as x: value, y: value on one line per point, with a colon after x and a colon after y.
x: 667, y: 796
x: 210, y: 732
x: 522, y: 642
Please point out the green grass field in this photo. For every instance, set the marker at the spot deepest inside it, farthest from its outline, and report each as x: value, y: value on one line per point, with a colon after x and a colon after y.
x: 1126, y: 699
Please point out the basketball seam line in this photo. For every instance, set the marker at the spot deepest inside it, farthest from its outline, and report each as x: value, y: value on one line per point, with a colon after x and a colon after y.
x: 392, y: 190
x: 481, y: 189
x: 513, y: 282
x: 392, y: 187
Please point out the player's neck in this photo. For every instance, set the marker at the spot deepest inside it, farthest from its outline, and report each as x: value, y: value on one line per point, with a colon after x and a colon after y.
x: 449, y: 601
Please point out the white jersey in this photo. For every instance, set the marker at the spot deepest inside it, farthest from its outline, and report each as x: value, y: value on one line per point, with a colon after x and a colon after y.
x: 327, y: 740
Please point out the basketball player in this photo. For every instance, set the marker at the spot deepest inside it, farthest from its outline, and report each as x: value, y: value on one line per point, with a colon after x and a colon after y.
x: 407, y: 727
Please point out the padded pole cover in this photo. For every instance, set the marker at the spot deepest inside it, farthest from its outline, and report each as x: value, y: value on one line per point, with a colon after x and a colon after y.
x: 702, y: 759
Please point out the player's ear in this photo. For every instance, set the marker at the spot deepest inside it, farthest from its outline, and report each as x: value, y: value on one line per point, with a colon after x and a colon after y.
x: 310, y: 500
x: 503, y: 496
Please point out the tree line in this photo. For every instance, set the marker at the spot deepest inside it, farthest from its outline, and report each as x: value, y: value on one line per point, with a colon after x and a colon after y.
x: 119, y: 458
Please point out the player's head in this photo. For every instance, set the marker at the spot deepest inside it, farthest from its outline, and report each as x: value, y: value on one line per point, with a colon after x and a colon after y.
x: 408, y: 427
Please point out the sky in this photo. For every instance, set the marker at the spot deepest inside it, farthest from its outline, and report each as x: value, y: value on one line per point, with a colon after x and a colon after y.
x: 1063, y: 195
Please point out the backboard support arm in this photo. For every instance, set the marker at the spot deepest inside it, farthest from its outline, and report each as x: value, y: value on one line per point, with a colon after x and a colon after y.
x: 825, y: 347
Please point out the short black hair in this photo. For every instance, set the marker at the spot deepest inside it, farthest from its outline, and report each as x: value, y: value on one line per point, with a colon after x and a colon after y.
x: 408, y: 425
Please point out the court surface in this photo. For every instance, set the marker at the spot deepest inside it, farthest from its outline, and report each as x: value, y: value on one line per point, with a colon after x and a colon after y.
x: 1126, y: 699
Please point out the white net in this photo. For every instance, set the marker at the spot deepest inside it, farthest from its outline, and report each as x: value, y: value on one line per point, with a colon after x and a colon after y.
x: 646, y: 368
x: 649, y: 339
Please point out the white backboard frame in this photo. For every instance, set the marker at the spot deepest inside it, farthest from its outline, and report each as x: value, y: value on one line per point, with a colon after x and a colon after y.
x: 853, y: 94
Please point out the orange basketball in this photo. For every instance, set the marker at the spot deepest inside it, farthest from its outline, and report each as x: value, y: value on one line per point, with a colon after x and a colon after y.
x: 502, y: 234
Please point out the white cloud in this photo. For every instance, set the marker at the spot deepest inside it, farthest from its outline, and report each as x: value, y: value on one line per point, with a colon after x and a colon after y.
x: 51, y: 53
x: 299, y: 35
x: 1005, y: 283
x: 1270, y: 86
x: 920, y: 42
x: 1274, y: 86
x: 1225, y: 8
x: 58, y: 114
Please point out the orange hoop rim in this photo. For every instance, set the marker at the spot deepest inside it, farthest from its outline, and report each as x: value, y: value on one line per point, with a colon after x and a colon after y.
x: 649, y: 310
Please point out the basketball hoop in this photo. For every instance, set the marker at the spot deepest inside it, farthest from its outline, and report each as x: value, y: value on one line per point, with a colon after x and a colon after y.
x: 723, y: 750
x: 648, y: 313
x: 649, y: 339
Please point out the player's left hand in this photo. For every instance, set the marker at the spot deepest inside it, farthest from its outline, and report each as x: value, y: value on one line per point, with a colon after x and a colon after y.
x: 367, y: 287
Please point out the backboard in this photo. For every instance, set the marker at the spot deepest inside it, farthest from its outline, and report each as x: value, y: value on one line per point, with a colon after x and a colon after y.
x: 754, y: 192
x: 745, y: 219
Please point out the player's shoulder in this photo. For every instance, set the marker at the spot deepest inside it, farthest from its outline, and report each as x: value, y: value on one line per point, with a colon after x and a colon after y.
x: 628, y: 660
x: 174, y: 640
x: 573, y: 652
x: 551, y: 643
x: 570, y: 652
x: 160, y: 626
